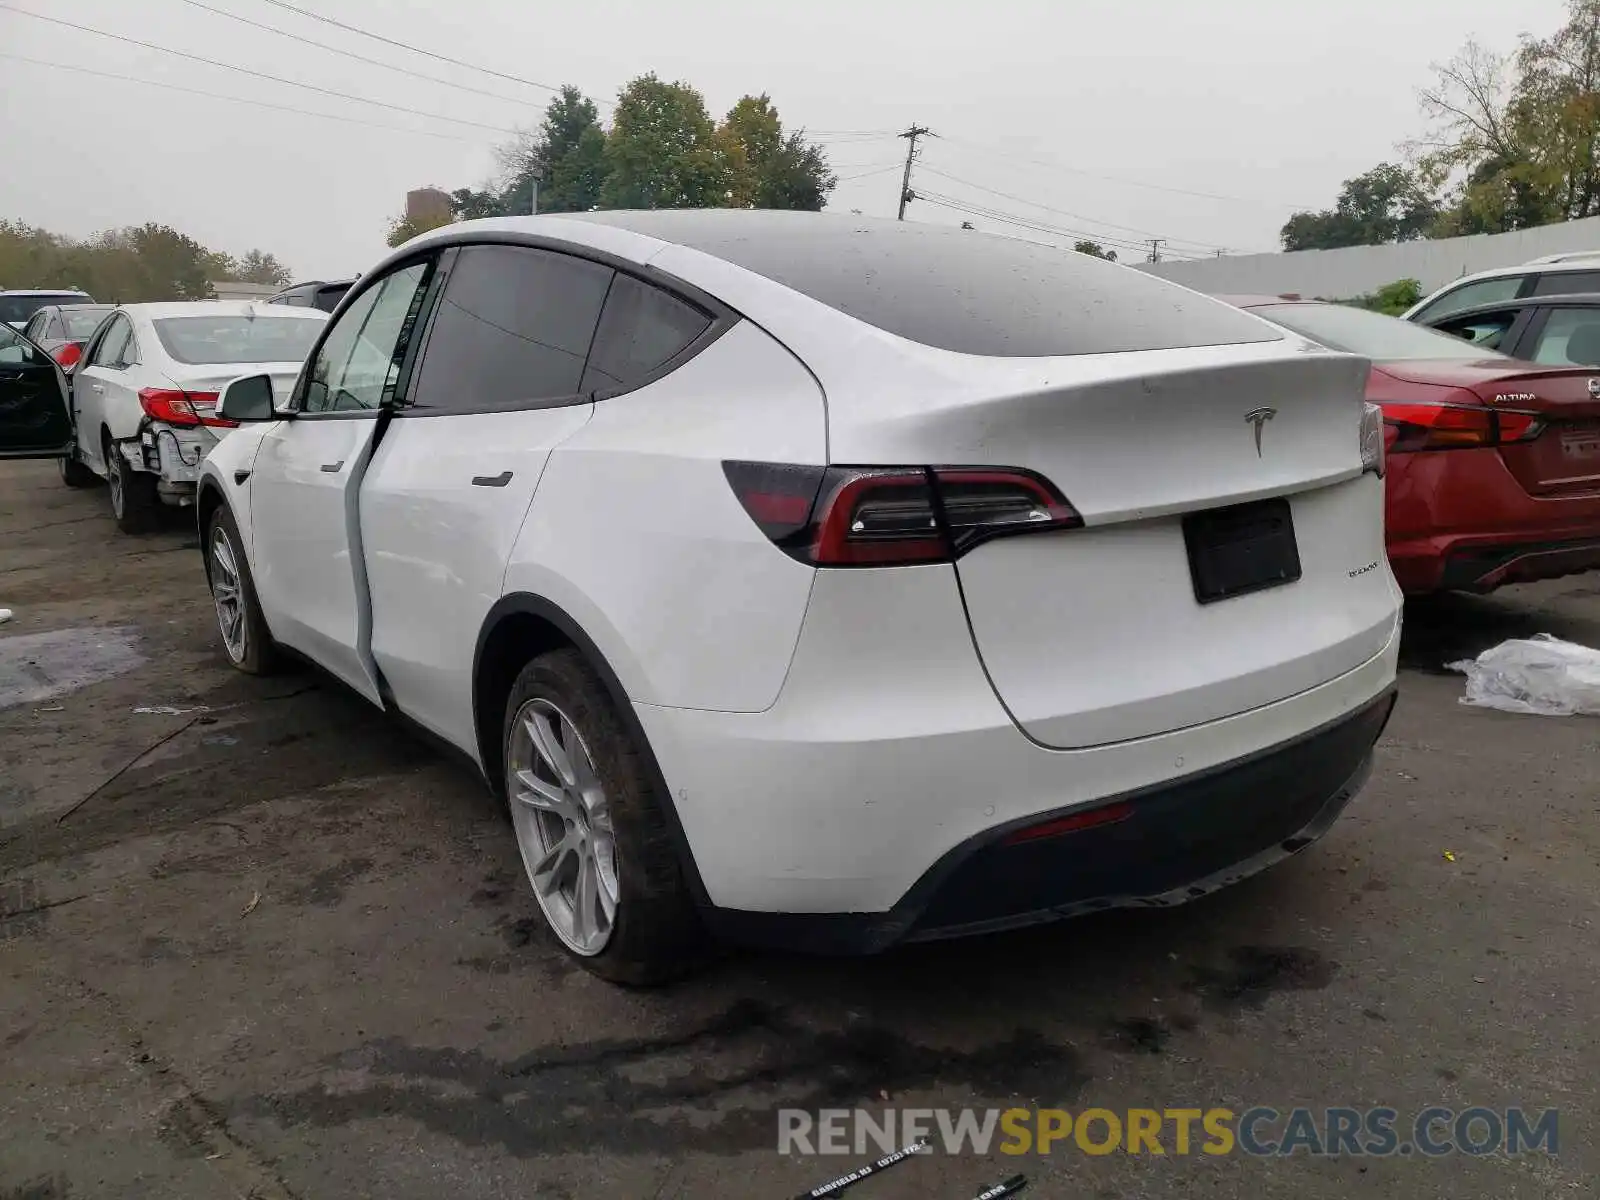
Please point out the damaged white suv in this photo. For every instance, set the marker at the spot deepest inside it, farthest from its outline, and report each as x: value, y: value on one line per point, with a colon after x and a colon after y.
x: 144, y: 395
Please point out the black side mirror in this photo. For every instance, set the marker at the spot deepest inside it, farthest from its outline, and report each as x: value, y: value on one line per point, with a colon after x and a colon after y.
x: 248, y: 398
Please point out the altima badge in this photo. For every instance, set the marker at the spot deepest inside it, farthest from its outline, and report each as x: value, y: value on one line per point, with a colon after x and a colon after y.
x: 1257, y: 418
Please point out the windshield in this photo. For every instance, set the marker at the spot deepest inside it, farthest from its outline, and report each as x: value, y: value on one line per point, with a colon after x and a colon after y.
x: 17, y: 309
x: 81, y: 322
x: 1372, y: 335
x: 227, y: 338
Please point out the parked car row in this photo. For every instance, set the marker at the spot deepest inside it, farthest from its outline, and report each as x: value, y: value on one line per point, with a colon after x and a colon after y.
x: 827, y: 582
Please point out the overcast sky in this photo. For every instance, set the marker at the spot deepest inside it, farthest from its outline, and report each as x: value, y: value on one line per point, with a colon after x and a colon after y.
x: 1094, y: 108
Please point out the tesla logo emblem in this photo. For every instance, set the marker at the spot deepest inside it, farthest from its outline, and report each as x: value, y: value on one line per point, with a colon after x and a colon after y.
x: 1594, y: 389
x: 1257, y: 418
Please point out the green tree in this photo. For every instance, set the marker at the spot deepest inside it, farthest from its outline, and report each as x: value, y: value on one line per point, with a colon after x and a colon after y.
x: 769, y: 168
x: 1390, y: 203
x: 662, y: 151
x: 1392, y: 298
x: 172, y: 262
x: 258, y: 266
x: 566, y: 153
x: 403, y: 229
x: 469, y: 205
x: 1095, y: 249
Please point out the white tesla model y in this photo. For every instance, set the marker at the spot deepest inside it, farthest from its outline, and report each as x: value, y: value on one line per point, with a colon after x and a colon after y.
x: 825, y: 581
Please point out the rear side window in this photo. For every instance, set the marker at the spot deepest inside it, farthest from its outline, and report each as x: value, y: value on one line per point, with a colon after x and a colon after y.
x: 512, y: 330
x: 641, y: 329
x: 1570, y: 338
x: 1566, y: 283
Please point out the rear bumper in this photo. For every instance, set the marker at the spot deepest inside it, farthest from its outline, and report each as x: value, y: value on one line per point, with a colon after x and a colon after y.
x: 1177, y: 842
x: 1459, y: 521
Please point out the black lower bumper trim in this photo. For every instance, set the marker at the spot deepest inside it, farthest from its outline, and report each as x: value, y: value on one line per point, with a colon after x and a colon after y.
x: 1178, y: 840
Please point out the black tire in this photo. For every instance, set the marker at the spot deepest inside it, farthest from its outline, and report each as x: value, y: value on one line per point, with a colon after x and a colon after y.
x: 74, y: 474
x: 256, y: 653
x: 134, y: 502
x: 656, y: 936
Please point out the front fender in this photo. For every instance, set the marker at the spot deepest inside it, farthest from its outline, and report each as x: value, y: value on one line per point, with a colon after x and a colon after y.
x: 225, y: 479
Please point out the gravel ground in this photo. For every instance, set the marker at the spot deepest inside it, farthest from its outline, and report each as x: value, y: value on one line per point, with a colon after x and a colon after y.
x: 262, y: 943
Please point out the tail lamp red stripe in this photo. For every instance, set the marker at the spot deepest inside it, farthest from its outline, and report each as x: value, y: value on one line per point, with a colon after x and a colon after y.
x: 882, y: 516
x: 1415, y: 427
x: 1109, y: 814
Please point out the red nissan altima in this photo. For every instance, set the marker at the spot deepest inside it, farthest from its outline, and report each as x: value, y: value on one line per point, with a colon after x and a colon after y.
x: 1493, y: 470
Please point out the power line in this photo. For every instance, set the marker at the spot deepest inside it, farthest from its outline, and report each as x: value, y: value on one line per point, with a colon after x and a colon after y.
x: 1155, y: 187
x: 894, y: 166
x: 1061, y: 211
x: 174, y: 87
x: 378, y: 37
x: 211, y: 62
x: 1020, y: 222
x: 376, y: 62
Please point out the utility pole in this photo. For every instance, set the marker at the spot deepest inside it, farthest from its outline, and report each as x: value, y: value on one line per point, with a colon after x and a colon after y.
x: 1155, y: 249
x: 911, y: 135
x: 533, y: 190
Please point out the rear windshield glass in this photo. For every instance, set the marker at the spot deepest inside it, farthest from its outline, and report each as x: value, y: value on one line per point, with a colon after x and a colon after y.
x: 237, y: 339
x: 957, y: 289
x: 1369, y: 334
x: 17, y: 309
x: 81, y: 322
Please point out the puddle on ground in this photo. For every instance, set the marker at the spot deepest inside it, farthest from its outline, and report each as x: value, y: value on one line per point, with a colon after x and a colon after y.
x: 42, y: 666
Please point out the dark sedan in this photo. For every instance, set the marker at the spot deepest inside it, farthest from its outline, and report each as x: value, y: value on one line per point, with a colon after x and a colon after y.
x: 62, y: 330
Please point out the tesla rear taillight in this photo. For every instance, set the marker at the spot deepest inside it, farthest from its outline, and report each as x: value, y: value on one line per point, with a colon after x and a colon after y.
x: 177, y: 407
x: 893, y: 516
x: 1373, y: 440
x: 1455, y: 426
x: 69, y: 354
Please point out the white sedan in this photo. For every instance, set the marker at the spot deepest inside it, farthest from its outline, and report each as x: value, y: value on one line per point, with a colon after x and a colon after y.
x: 824, y: 581
x: 144, y: 393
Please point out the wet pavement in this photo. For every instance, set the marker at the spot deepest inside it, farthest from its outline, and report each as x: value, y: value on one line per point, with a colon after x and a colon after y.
x: 255, y: 940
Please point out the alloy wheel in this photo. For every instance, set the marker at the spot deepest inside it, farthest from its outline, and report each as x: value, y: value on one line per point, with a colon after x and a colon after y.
x: 227, y: 593
x: 114, y: 468
x: 563, y: 825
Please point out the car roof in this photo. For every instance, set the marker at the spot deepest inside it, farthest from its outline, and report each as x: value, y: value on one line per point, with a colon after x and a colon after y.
x: 44, y: 292
x: 1578, y: 299
x: 155, y: 310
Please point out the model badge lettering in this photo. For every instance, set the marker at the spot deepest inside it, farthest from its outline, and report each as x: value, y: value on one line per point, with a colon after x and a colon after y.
x: 1371, y: 566
x: 1257, y: 418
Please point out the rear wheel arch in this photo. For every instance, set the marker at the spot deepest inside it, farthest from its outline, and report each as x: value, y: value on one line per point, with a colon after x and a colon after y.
x: 208, y: 499
x: 520, y: 627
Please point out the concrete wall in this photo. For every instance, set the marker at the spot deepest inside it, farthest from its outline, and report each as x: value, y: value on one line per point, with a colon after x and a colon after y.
x: 1356, y: 270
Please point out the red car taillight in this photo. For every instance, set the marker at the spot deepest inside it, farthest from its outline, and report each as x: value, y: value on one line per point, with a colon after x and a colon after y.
x: 893, y: 516
x: 69, y: 354
x: 177, y: 407
x: 1455, y: 426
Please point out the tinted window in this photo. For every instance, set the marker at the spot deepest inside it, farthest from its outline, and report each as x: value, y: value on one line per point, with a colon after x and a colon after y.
x: 956, y: 289
x: 1570, y: 337
x: 36, y: 326
x: 357, y: 366
x: 1468, y: 295
x: 1370, y: 334
x: 641, y: 328
x: 327, y: 298
x: 513, y: 328
x: 113, y: 348
x: 1565, y: 283
x: 226, y: 338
